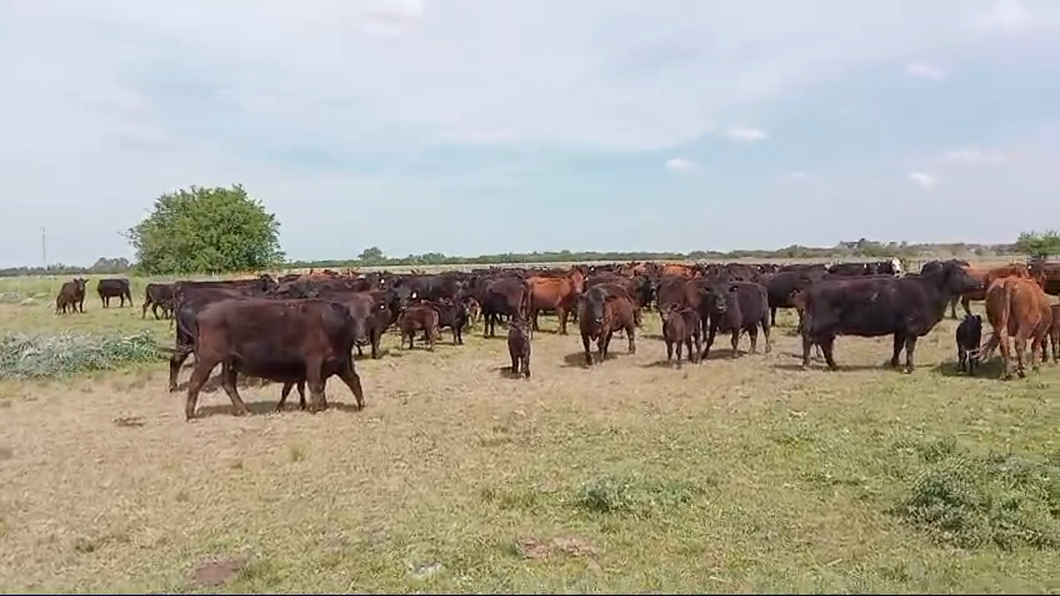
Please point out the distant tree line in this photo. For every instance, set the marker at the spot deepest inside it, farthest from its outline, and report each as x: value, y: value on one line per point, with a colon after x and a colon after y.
x: 222, y: 230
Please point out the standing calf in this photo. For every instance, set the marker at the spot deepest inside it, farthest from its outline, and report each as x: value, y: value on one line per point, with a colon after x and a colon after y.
x: 416, y: 318
x: 969, y: 336
x: 519, y: 346
x: 681, y: 327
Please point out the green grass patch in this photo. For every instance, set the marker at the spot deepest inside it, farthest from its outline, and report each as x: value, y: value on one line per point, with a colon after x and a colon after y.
x: 25, y: 356
x: 972, y: 501
x: 634, y: 495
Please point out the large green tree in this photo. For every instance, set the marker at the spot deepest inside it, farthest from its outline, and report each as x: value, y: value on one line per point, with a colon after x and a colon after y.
x: 207, y: 230
x: 1040, y: 245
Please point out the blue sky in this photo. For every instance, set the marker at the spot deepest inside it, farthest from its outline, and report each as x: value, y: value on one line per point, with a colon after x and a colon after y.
x: 475, y: 126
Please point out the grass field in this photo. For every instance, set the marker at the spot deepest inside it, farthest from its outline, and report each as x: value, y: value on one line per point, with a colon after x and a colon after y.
x: 745, y: 475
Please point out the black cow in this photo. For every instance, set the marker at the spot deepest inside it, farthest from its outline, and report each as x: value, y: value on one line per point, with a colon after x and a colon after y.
x: 158, y: 296
x: 288, y: 341
x: 872, y: 306
x: 452, y: 314
x: 782, y: 285
x: 114, y: 288
x: 735, y: 307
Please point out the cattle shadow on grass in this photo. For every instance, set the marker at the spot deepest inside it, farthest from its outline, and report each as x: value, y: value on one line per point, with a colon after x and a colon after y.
x: 577, y: 359
x: 262, y: 407
x: 213, y: 385
x: 820, y: 366
x: 988, y: 370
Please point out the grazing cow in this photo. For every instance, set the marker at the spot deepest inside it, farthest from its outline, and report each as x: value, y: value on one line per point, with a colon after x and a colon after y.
x: 1054, y: 333
x: 287, y: 341
x: 452, y: 314
x: 503, y: 296
x: 158, y: 295
x: 735, y: 307
x: 1017, y: 306
x: 782, y: 285
x: 519, y: 346
x: 114, y: 288
x: 72, y: 295
x: 600, y: 314
x: 873, y: 306
x: 969, y: 336
x: 555, y: 293
x: 681, y: 328
x: 419, y: 317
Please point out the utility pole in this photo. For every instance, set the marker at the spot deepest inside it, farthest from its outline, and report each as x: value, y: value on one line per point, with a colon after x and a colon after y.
x: 43, y: 247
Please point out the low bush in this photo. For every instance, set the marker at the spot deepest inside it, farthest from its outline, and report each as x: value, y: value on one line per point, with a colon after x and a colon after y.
x: 972, y: 501
x: 634, y: 495
x: 44, y: 356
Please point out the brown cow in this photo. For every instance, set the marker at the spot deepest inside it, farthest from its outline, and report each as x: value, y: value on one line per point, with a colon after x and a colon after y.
x: 601, y: 313
x: 555, y: 293
x: 1047, y: 274
x: 1017, y: 306
x: 679, y: 269
x: 985, y: 278
x: 421, y: 317
x: 72, y: 295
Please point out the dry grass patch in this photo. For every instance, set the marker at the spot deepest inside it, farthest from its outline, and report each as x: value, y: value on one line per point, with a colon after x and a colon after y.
x: 745, y: 475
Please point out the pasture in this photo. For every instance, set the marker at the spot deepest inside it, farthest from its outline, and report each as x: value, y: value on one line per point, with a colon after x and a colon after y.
x: 730, y: 475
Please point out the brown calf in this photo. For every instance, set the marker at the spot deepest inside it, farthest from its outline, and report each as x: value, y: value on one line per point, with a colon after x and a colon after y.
x: 72, y: 296
x: 681, y: 327
x: 519, y: 346
x: 420, y: 317
x: 1017, y: 306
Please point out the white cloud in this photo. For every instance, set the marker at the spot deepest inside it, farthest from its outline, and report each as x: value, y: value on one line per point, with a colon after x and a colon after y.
x: 794, y: 176
x: 974, y: 156
x: 1007, y: 17
x: 923, y: 70
x: 745, y: 134
x: 679, y: 164
x: 925, y: 181
x: 391, y: 18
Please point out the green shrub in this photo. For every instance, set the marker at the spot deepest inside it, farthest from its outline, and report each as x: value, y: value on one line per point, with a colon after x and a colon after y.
x: 634, y: 495
x: 974, y: 501
x: 42, y: 356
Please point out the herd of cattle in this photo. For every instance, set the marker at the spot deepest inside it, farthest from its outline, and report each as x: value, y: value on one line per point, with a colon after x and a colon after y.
x: 301, y: 329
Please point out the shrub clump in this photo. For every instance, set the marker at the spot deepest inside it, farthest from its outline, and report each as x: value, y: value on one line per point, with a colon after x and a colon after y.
x: 43, y: 356
x: 634, y: 495
x: 975, y: 501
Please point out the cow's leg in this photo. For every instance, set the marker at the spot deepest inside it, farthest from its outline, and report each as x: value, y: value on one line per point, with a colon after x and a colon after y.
x: 561, y: 314
x: 315, y: 381
x: 630, y: 331
x: 773, y: 315
x: 588, y: 352
x: 670, y: 351
x: 1006, y: 354
x: 752, y: 332
x: 199, y: 376
x: 910, y: 349
x: 360, y: 352
x: 526, y: 364
x: 735, y: 341
x: 176, y: 361
x: 697, y: 341
x: 966, y: 303
x: 287, y: 386
x: 376, y: 337
x: 827, y: 345
x: 678, y: 348
x: 711, y: 332
x: 349, y: 375
x: 602, y: 344
x: 143, y: 313
x: 898, y: 343
x: 515, y: 363
x: 1021, y: 348
x: 229, y: 376
x: 533, y: 317
x: 962, y: 359
x: 953, y: 306
x: 765, y: 334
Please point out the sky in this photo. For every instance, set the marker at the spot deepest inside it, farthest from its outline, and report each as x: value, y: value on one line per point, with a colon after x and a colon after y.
x: 484, y: 126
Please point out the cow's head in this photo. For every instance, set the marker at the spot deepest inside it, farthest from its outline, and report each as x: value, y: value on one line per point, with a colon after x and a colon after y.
x: 953, y: 279
x: 80, y: 283
x: 596, y: 300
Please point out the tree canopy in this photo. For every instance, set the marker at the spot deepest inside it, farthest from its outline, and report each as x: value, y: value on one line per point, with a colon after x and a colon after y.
x: 1039, y: 245
x: 207, y: 230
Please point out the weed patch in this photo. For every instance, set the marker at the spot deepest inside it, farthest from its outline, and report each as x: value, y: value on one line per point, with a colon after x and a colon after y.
x: 634, y: 495
x: 43, y: 356
x: 973, y: 501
